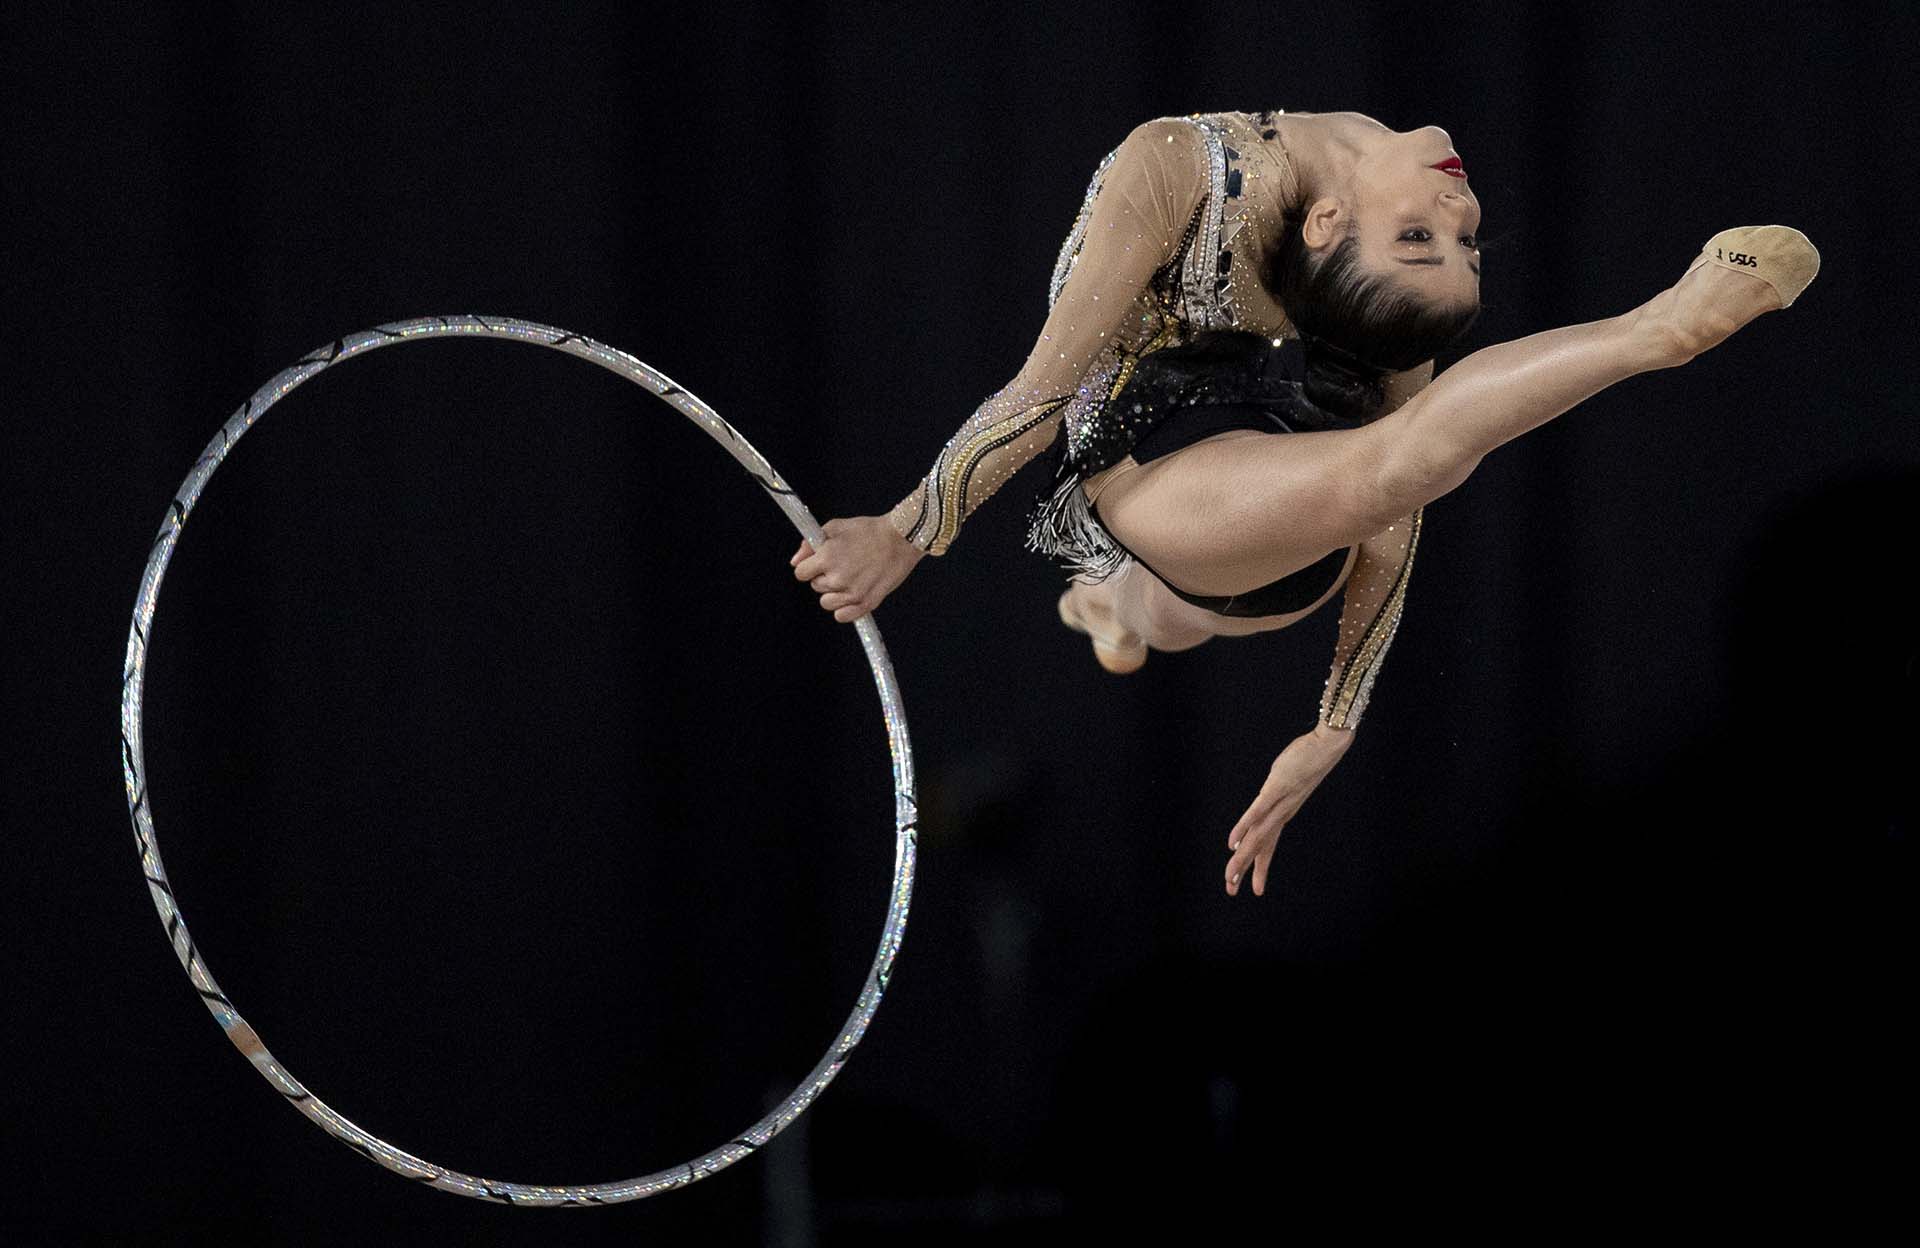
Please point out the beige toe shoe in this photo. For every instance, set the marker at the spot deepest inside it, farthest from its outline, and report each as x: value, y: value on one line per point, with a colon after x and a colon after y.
x: 1778, y: 255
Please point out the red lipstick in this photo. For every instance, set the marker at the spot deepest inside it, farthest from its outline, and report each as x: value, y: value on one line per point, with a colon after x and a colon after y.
x: 1451, y: 165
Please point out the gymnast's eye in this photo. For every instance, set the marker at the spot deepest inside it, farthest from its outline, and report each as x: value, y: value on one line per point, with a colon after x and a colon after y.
x: 1469, y: 242
x: 1410, y: 236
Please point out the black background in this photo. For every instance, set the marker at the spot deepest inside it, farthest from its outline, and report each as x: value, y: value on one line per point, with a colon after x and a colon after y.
x: 540, y: 822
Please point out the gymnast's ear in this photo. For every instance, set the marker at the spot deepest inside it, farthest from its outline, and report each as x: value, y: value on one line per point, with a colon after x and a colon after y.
x: 1327, y: 221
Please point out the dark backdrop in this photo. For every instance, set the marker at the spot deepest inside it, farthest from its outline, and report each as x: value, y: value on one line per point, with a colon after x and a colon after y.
x: 540, y: 821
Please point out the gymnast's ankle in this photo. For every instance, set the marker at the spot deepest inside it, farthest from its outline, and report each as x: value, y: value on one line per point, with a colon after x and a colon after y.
x: 1655, y: 339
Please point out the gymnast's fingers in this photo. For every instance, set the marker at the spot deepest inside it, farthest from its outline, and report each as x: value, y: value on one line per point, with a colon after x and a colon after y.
x: 806, y: 548
x: 1260, y: 863
x: 838, y: 598
x: 813, y: 565
x: 847, y: 615
x: 1249, y: 821
x: 1237, y: 867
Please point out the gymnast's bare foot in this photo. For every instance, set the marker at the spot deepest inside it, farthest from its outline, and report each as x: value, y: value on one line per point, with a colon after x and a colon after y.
x: 1088, y: 609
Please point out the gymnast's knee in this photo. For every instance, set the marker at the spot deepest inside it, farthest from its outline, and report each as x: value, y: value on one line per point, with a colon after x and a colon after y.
x: 1413, y: 470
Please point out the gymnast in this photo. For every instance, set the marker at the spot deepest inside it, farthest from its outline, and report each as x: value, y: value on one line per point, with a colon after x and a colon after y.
x: 1233, y: 275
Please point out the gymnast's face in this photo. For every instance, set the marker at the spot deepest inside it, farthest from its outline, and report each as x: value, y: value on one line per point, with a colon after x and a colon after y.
x: 1414, y: 222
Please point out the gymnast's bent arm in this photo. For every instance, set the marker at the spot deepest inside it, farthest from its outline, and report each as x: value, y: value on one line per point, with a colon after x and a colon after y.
x: 1137, y: 217
x: 1369, y: 615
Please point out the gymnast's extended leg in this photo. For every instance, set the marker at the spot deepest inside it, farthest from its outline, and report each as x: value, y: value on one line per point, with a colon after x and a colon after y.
x: 1225, y: 516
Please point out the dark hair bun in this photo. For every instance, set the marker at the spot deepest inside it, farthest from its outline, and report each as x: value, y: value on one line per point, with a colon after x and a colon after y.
x: 1339, y: 382
x: 1379, y: 325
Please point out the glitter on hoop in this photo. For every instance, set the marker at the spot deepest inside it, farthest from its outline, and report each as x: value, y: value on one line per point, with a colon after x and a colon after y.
x: 244, y: 1038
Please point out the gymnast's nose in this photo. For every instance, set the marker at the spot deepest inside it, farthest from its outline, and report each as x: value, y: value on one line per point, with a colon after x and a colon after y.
x: 1464, y: 208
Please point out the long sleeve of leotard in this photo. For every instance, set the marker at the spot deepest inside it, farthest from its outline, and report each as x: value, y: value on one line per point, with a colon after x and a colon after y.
x: 1136, y: 221
x: 1369, y: 614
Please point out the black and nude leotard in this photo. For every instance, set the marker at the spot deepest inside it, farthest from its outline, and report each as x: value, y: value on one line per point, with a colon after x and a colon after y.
x: 1296, y: 591
x: 1170, y: 238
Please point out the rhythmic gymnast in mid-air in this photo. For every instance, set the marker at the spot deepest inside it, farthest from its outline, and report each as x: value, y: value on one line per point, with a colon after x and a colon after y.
x: 1233, y: 275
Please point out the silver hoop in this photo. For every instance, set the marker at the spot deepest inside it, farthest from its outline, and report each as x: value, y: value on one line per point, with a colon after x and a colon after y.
x: 133, y: 765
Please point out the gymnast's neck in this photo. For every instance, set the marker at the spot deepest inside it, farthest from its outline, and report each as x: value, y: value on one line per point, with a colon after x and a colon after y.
x: 1323, y: 149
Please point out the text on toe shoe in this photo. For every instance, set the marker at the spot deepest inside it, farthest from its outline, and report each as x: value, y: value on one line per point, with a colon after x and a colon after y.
x: 1737, y: 257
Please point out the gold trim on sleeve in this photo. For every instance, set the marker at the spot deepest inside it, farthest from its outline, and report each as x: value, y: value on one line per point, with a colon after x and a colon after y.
x: 944, y: 492
x: 1344, y: 701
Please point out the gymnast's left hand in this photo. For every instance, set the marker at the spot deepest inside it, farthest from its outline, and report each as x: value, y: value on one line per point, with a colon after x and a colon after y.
x: 861, y: 560
x: 1294, y: 776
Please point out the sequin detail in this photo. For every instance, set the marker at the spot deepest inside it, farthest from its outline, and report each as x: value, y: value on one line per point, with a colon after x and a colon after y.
x: 944, y: 493
x: 1150, y: 224
x: 1189, y: 292
x: 1351, y: 684
x: 1070, y: 249
x: 1208, y: 302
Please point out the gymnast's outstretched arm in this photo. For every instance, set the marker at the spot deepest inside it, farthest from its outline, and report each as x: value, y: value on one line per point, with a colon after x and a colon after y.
x: 1369, y: 615
x: 1375, y: 590
x: 1136, y: 220
x: 1371, y: 602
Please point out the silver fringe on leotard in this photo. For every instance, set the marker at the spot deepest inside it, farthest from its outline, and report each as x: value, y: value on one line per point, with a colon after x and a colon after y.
x: 1065, y: 529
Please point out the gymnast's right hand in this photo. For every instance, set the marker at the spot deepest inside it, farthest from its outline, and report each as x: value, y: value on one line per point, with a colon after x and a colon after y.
x: 861, y: 560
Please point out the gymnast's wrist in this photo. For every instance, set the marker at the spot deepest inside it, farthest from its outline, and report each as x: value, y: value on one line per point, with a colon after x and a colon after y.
x: 1339, y: 738
x: 900, y: 526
